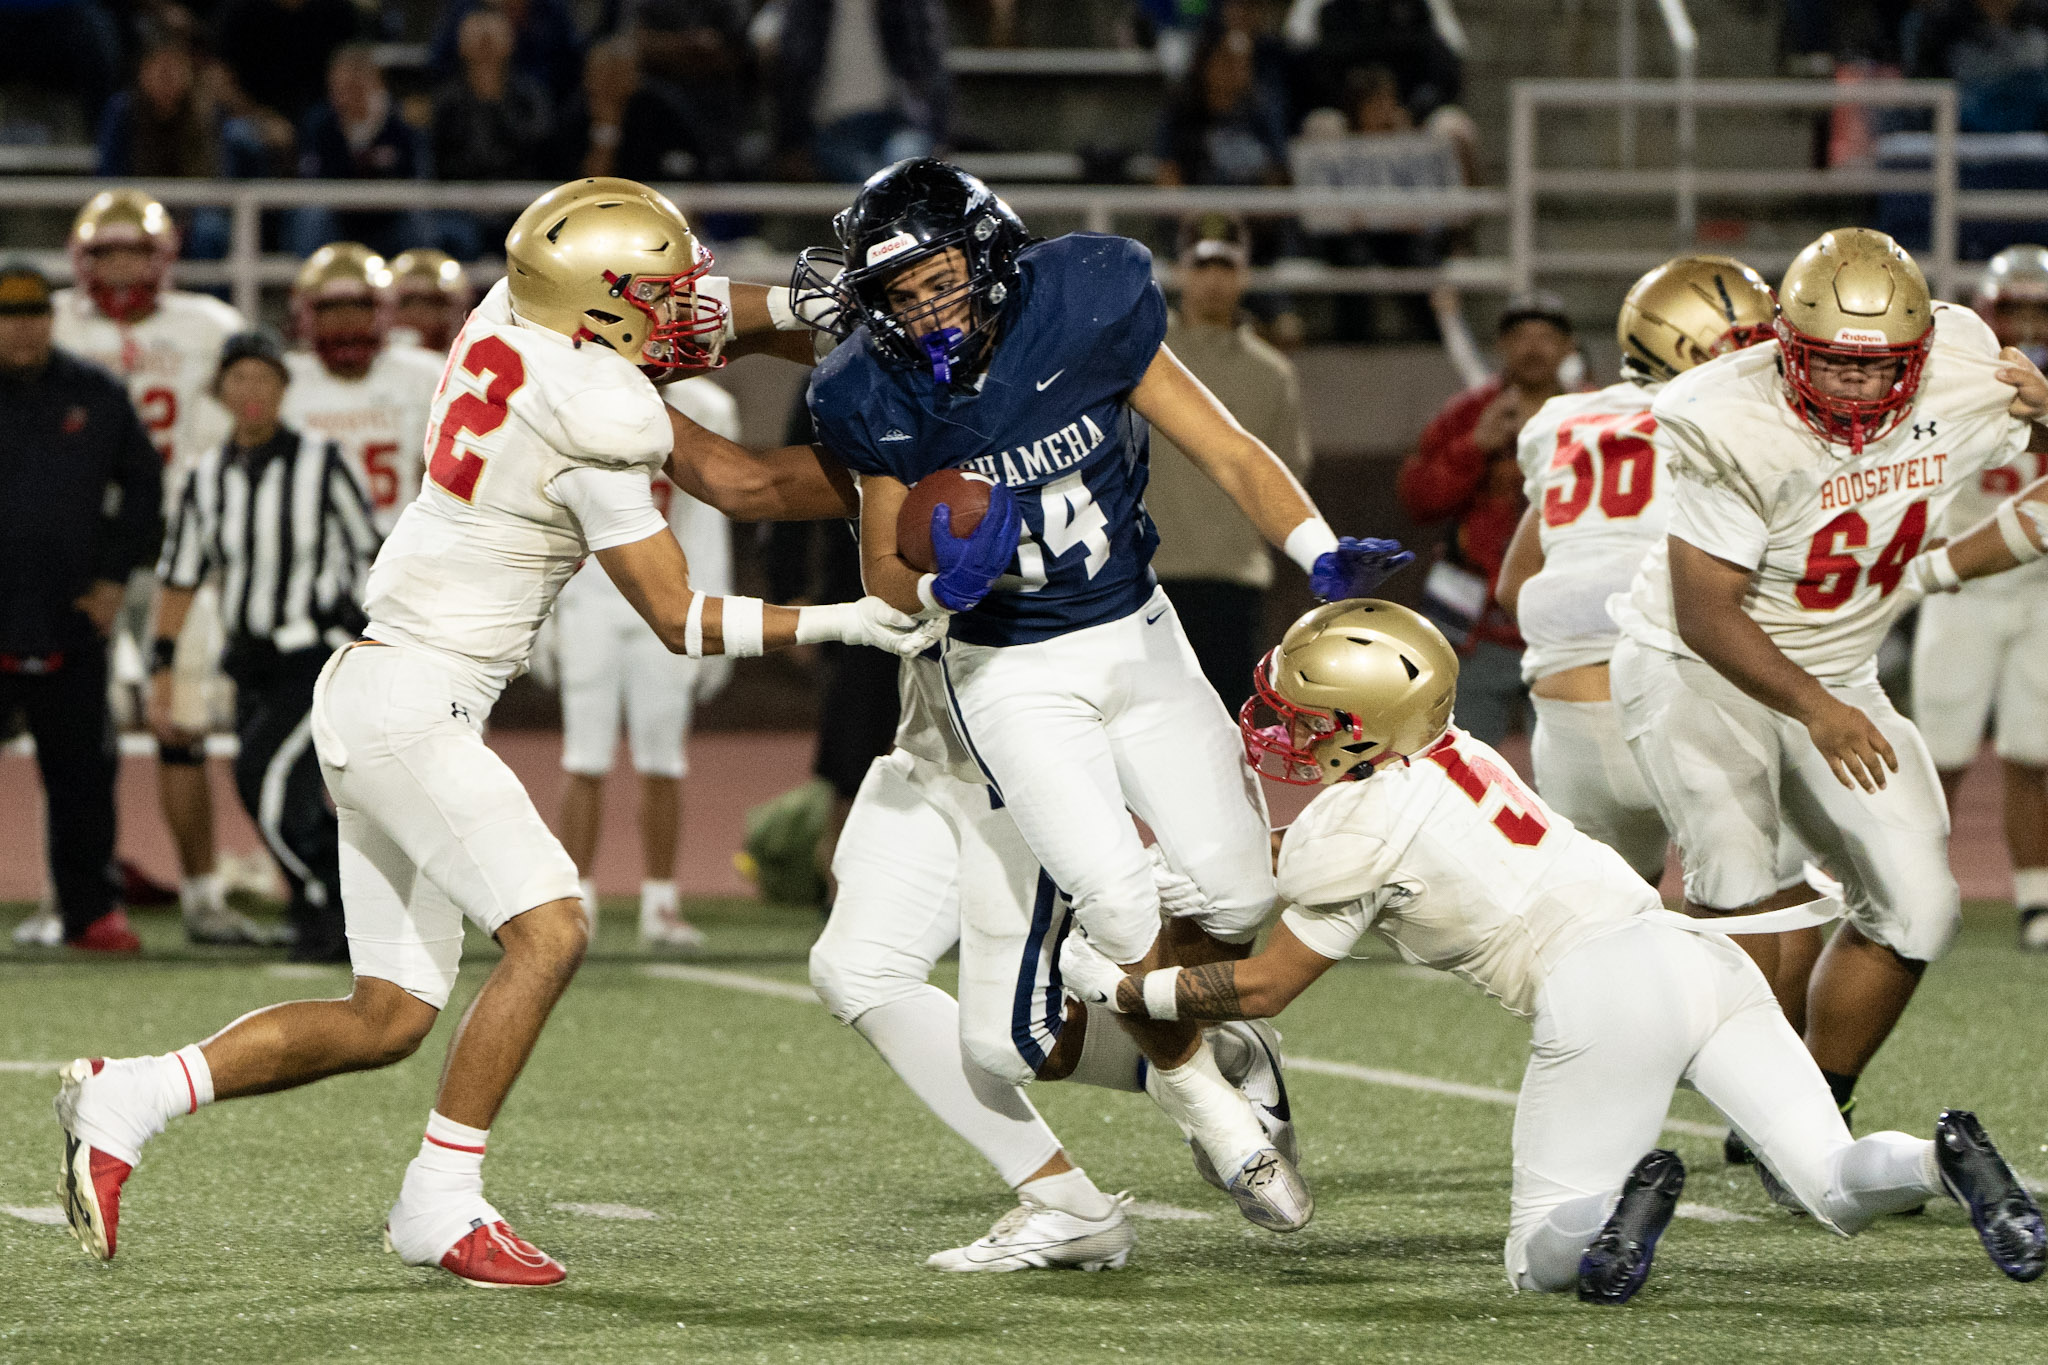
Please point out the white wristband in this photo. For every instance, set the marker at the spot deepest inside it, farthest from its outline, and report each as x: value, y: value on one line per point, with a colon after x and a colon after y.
x: 1161, y: 1002
x: 2016, y: 538
x: 719, y: 287
x: 924, y: 594
x: 693, y: 627
x: 1942, y: 570
x: 740, y: 627
x: 780, y: 312
x: 829, y: 624
x: 1309, y: 542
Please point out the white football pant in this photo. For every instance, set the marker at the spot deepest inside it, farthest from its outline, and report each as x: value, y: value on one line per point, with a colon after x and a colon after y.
x: 1980, y: 652
x: 611, y: 662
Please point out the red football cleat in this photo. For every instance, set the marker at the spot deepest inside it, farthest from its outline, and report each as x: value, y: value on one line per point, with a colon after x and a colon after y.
x: 495, y: 1257
x: 92, y: 1178
x: 110, y: 933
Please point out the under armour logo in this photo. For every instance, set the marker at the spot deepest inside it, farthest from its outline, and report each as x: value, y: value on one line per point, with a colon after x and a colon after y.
x: 458, y: 710
x: 1923, y: 429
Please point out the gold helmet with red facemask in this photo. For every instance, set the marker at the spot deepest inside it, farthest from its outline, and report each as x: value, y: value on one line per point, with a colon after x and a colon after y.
x: 1854, y: 298
x: 430, y: 294
x: 115, y: 220
x: 1350, y: 686
x: 611, y: 261
x: 339, y: 306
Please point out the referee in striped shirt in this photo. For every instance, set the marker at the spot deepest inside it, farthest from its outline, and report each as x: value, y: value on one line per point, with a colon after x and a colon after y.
x: 285, y: 525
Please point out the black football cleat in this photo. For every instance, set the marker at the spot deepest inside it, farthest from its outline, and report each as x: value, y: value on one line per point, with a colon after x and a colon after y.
x: 1735, y: 1151
x: 2007, y: 1219
x: 1617, y: 1260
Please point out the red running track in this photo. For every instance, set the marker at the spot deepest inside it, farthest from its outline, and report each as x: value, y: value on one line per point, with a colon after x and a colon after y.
x: 730, y: 773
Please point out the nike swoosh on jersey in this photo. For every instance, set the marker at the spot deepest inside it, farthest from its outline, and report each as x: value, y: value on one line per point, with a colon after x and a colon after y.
x: 1046, y: 382
x: 1155, y: 616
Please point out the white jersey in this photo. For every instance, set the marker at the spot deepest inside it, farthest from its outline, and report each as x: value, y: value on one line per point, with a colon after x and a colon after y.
x: 702, y: 531
x: 1459, y: 866
x: 379, y: 421
x: 167, y: 360
x: 1596, y: 480
x: 1827, y: 534
x: 475, y: 562
x: 1979, y: 498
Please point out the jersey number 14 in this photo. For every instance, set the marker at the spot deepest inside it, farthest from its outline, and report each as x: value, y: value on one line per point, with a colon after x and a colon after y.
x: 476, y: 414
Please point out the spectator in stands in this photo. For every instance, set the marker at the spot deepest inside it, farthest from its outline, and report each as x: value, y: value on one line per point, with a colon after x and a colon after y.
x: 620, y: 123
x: 279, y: 50
x: 1343, y: 35
x: 694, y: 56
x: 1221, y: 128
x: 81, y: 507
x: 490, y: 123
x: 1213, y: 563
x: 1996, y: 51
x: 164, y: 126
x: 1464, y: 470
x: 70, y: 48
x: 546, y: 47
x: 859, y: 84
x: 357, y: 134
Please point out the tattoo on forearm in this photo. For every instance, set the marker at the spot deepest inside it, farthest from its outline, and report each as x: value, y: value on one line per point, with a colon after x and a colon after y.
x: 1130, y: 996
x: 1208, y: 992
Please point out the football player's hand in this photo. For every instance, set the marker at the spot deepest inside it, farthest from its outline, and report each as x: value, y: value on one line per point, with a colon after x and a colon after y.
x: 2030, y: 403
x: 1356, y: 567
x: 1088, y: 975
x: 969, y: 565
x: 1179, y: 897
x: 1924, y: 576
x: 876, y: 623
x: 1856, y: 750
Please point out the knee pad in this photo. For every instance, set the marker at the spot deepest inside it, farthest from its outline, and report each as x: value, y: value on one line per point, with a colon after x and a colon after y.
x: 850, y: 982
x: 994, y: 1052
x: 191, y: 754
x: 1923, y: 934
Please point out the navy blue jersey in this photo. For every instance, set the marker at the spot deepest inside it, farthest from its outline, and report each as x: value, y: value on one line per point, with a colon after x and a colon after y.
x: 1052, y: 419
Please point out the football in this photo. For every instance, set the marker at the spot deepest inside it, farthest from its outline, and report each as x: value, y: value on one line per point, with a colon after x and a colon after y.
x: 966, y: 494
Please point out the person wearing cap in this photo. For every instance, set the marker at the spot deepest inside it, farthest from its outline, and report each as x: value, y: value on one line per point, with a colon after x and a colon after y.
x: 81, y: 492
x: 282, y: 521
x: 1213, y: 562
x: 1464, y: 471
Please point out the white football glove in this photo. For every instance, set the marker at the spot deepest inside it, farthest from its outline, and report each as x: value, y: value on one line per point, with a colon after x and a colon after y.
x: 870, y: 621
x: 1179, y: 897
x: 1088, y: 975
x: 1927, y: 574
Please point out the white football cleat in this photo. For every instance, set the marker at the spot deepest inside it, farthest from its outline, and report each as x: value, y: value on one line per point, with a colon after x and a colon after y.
x: 667, y: 929
x: 1265, y: 1085
x: 1034, y: 1236
x: 1271, y: 1193
x: 43, y: 929
x: 221, y: 926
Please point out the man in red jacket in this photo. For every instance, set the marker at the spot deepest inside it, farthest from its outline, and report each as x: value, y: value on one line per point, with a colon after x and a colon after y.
x: 1464, y: 469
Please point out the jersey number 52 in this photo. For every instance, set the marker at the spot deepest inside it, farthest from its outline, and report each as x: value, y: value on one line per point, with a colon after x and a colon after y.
x: 478, y: 415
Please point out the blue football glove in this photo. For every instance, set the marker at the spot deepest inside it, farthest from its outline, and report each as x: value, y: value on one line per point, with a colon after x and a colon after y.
x: 969, y: 565
x: 1356, y: 567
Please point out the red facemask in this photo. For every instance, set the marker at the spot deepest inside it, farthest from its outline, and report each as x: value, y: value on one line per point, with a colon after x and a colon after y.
x: 1854, y: 422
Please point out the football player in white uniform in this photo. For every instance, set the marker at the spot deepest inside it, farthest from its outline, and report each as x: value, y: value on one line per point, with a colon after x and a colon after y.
x: 430, y: 296
x: 1425, y: 837
x: 1807, y: 475
x: 1980, y: 652
x: 545, y: 436
x: 1595, y: 485
x: 610, y: 666
x: 122, y: 314
x: 355, y: 384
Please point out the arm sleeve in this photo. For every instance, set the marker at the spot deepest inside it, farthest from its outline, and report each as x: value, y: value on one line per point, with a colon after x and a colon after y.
x: 1438, y: 480
x: 1332, y: 930
x: 613, y: 506
x: 135, y: 530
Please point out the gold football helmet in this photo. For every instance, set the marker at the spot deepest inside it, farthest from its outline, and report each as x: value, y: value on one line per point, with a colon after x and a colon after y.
x: 1689, y: 310
x: 430, y: 294
x: 1350, y: 686
x: 1854, y: 296
x: 342, y: 273
x: 122, y: 218
x: 612, y: 261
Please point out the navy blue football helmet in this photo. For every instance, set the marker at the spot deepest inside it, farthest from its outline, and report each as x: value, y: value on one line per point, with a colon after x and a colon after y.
x: 905, y: 214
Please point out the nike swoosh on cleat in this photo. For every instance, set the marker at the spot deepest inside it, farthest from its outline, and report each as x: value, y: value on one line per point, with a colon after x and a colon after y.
x: 1046, y: 382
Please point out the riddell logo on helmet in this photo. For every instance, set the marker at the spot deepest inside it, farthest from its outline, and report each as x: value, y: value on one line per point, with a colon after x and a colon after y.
x: 882, y: 251
x: 1856, y: 336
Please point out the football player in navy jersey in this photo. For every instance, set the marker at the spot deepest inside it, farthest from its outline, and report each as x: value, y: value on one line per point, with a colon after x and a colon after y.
x: 1039, y: 364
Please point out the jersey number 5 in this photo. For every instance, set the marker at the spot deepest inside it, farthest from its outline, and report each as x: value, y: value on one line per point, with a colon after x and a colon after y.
x: 1518, y: 817
x: 479, y: 415
x: 1627, y: 467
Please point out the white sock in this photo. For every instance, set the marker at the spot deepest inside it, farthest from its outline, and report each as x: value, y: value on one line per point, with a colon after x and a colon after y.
x: 1109, y: 1056
x: 1207, y: 1108
x: 1879, y: 1174
x: 443, y: 1193
x: 2030, y: 887
x: 586, y: 890
x: 656, y: 900
x: 132, y: 1098
x: 1069, y: 1192
x: 202, y: 894
x: 1555, y: 1245
x: 919, y: 1037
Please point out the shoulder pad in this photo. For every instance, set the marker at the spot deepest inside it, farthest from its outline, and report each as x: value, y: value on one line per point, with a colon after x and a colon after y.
x: 1337, y: 852
x: 614, y: 425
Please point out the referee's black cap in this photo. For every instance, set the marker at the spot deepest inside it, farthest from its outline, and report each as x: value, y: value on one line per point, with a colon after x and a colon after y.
x: 258, y: 343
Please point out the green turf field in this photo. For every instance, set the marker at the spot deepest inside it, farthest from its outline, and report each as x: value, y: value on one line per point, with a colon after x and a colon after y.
x: 785, y: 1190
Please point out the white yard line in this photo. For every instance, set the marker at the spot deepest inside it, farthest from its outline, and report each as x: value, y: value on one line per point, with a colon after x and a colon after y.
x: 624, y: 1213
x: 46, y: 1215
x: 33, y: 1068
x: 1371, y: 1075
x: 1143, y: 1208
x: 1707, y: 1213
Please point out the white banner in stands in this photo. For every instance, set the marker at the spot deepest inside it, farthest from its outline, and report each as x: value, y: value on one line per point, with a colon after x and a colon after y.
x: 1377, y: 161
